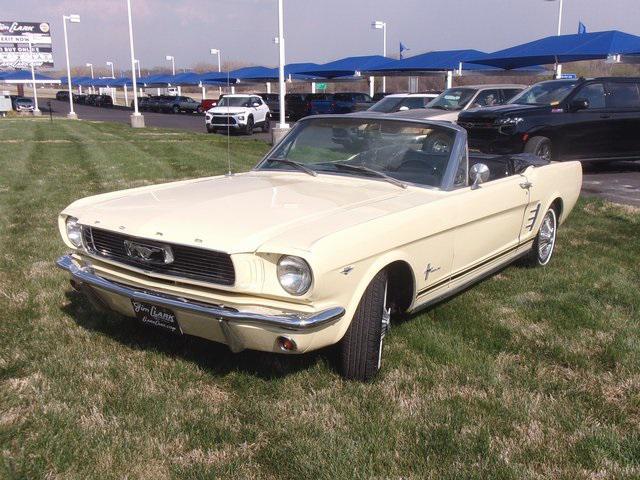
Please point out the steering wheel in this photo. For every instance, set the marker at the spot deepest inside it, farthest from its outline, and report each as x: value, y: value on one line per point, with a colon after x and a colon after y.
x: 438, y: 144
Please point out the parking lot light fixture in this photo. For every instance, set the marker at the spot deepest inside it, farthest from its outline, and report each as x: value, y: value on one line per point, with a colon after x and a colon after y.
x: 90, y: 65
x: 216, y: 51
x: 72, y: 19
x: 558, y: 66
x: 113, y: 73
x: 137, y: 120
x: 281, y: 55
x: 379, y: 25
x: 172, y: 59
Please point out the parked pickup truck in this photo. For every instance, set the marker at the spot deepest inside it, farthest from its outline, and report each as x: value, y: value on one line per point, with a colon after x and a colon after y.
x: 581, y: 119
x: 346, y: 102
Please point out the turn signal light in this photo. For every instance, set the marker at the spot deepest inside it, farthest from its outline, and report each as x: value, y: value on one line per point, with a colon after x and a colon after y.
x: 286, y: 344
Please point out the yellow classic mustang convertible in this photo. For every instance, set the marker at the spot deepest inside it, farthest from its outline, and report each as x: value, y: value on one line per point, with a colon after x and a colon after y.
x: 346, y: 222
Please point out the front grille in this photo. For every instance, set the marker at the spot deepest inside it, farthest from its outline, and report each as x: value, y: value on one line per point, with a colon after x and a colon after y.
x: 189, y: 262
x: 477, y: 124
x: 223, y: 120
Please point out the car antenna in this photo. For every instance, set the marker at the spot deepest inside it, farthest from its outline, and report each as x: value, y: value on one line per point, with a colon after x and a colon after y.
x: 228, y: 133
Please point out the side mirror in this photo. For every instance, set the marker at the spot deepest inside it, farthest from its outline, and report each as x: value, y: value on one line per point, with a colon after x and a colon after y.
x: 578, y: 104
x: 256, y: 104
x: 403, y: 108
x: 479, y: 173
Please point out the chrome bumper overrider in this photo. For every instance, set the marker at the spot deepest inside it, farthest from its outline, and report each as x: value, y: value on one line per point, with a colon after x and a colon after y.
x: 291, y: 322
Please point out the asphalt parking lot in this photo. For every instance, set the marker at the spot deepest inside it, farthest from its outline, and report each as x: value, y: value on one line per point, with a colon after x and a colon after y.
x: 617, y: 182
x: 184, y: 121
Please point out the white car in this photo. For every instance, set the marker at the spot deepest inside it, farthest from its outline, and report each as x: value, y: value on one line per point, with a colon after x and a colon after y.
x: 399, y: 102
x: 452, y: 101
x: 239, y: 112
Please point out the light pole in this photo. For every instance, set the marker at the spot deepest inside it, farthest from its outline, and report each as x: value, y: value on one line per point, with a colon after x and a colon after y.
x: 558, y: 66
x: 137, y: 62
x: 90, y: 65
x: 113, y: 73
x: 73, y: 18
x: 173, y: 63
x: 216, y: 51
x: 379, y: 25
x: 281, y: 80
x: 36, y: 110
x: 137, y: 120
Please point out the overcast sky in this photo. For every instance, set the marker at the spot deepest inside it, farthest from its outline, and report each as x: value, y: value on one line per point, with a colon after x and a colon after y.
x: 315, y: 30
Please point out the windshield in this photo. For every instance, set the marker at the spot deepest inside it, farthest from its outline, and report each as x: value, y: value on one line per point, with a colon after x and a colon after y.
x: 545, y: 93
x: 234, y: 102
x: 406, y: 151
x: 453, y: 99
x: 386, y: 105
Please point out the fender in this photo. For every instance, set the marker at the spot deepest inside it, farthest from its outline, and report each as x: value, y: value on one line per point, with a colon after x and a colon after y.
x: 379, y: 264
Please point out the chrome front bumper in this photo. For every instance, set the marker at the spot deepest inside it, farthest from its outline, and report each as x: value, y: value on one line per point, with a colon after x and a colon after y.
x: 292, y: 322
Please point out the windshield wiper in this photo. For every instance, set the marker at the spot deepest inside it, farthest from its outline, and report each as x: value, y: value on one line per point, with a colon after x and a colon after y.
x: 362, y: 168
x: 298, y: 165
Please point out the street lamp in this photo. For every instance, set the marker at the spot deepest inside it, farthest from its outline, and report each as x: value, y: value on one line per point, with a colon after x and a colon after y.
x: 558, y: 66
x: 113, y: 73
x: 216, y: 51
x: 137, y: 62
x: 90, y: 65
x: 281, y: 85
x: 173, y: 63
x: 36, y: 110
x: 73, y: 18
x: 378, y: 25
x: 137, y: 120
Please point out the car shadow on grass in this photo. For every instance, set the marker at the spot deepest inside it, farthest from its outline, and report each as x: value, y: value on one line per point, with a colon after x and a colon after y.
x: 213, y: 357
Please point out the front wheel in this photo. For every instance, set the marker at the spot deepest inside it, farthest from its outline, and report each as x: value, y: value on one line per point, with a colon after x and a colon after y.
x: 176, y: 109
x: 249, y: 128
x: 360, y: 350
x: 545, y: 242
x: 540, y: 146
x: 211, y: 129
x: 266, y: 126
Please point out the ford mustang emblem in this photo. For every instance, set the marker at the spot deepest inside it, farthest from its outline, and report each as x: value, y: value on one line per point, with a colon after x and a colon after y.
x: 148, y: 253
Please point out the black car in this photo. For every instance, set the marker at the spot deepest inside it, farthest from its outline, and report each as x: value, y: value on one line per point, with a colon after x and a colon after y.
x: 104, y: 101
x: 273, y: 102
x: 143, y: 103
x: 79, y: 98
x: 582, y: 119
x: 91, y: 99
x: 62, y: 95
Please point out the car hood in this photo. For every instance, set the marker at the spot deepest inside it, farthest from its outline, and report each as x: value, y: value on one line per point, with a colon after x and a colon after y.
x: 491, y: 113
x: 228, y: 110
x: 239, y: 213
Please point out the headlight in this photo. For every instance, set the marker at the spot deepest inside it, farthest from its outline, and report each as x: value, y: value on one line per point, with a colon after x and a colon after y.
x: 294, y: 274
x: 74, y: 231
x: 240, y: 117
x: 509, y: 121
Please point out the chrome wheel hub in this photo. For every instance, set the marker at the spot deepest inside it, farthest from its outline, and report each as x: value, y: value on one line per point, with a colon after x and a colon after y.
x: 547, y: 237
x: 386, y: 323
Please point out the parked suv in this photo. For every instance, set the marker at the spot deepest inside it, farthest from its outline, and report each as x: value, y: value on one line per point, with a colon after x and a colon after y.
x: 180, y: 104
x: 452, y: 101
x: 594, y: 119
x: 62, y: 95
x: 240, y: 112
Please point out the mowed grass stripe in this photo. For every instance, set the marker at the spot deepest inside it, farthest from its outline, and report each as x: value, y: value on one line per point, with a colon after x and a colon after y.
x: 531, y: 374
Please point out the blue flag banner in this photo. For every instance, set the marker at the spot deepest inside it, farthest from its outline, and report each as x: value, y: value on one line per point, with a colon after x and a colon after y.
x: 582, y: 28
x: 402, y: 49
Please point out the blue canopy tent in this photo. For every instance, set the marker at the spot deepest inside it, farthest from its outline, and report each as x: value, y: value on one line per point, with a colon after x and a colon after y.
x: 184, y: 79
x: 217, y: 78
x: 563, y: 49
x: 161, y: 80
x: 80, y: 80
x: 345, y: 67
x: 24, y: 76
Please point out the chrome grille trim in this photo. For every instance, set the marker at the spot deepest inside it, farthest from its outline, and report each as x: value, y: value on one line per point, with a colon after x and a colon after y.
x: 189, y: 262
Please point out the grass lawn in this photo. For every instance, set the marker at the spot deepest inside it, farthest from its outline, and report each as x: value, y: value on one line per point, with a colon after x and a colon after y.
x: 534, y: 373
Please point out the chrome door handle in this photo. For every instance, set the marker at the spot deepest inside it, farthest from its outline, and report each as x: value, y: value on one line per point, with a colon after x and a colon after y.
x: 526, y: 185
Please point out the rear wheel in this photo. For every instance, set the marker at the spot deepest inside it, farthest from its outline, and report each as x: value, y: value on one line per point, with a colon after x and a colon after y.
x: 249, y: 128
x: 199, y: 110
x: 360, y: 350
x: 266, y: 126
x: 211, y: 129
x: 545, y: 242
x: 176, y: 109
x: 540, y: 146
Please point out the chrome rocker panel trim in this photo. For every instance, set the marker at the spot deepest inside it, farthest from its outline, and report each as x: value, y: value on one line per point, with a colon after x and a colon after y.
x: 292, y: 322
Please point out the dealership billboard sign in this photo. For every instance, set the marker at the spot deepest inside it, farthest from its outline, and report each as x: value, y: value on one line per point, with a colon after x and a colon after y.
x: 14, y: 44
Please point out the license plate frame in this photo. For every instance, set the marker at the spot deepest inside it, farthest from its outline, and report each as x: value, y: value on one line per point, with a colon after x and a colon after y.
x: 157, y: 316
